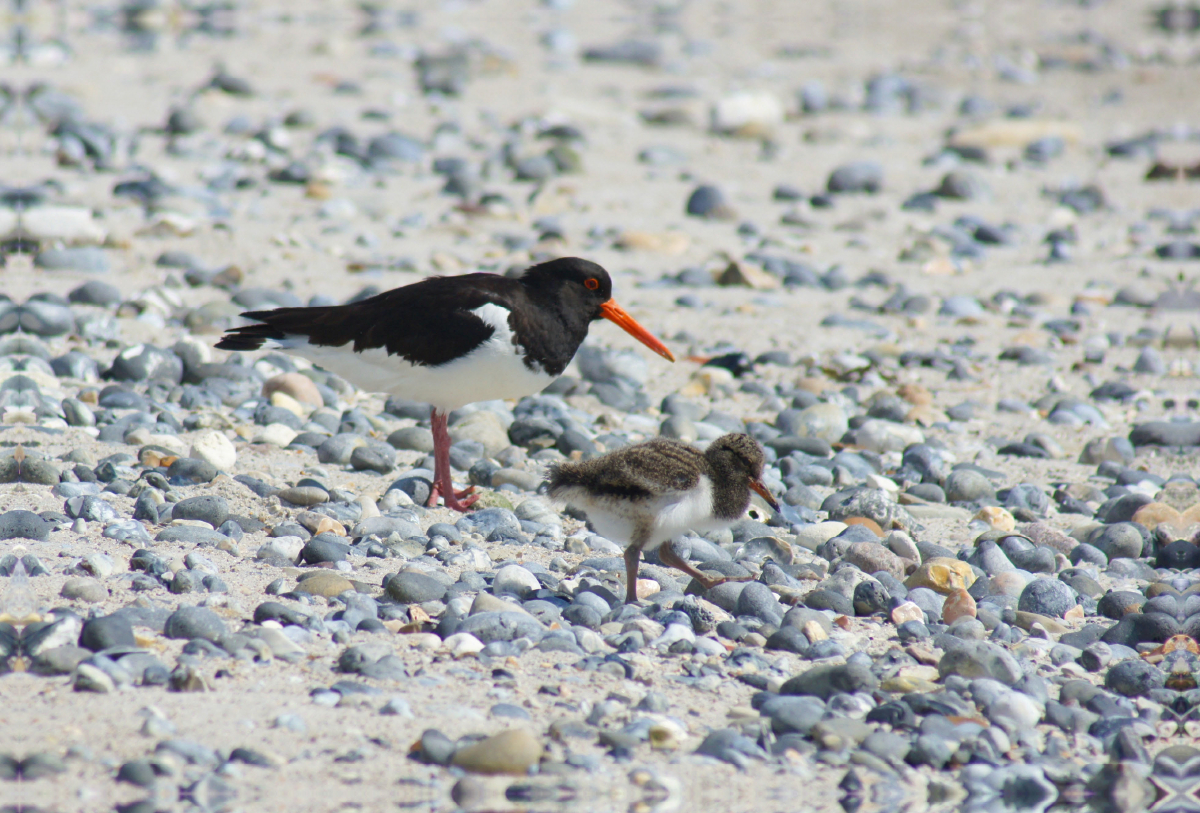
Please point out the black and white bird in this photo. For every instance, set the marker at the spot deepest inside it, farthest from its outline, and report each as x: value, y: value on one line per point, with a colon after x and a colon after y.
x: 451, y: 341
x: 650, y: 493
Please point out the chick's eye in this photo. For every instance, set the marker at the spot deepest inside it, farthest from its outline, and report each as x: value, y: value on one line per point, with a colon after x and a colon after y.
x: 591, y: 284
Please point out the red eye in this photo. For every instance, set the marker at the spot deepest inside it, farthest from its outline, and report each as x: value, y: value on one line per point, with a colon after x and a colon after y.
x: 591, y: 284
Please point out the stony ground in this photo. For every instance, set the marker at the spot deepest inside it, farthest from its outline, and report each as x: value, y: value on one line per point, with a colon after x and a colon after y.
x: 938, y: 258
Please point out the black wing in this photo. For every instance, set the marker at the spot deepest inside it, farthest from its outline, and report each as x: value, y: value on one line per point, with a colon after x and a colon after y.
x: 429, y: 322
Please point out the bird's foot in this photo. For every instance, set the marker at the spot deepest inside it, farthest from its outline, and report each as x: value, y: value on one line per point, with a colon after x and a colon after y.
x: 460, y: 501
x: 462, y: 506
x: 709, y: 582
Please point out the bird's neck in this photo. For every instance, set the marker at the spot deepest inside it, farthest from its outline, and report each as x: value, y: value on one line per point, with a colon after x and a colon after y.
x: 558, y: 329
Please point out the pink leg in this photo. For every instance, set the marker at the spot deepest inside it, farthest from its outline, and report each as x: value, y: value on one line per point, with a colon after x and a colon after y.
x: 442, y: 483
x: 670, y: 558
x: 632, y: 554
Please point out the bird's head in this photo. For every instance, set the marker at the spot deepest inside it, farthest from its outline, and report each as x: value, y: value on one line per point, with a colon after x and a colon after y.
x: 582, y: 286
x: 742, y: 456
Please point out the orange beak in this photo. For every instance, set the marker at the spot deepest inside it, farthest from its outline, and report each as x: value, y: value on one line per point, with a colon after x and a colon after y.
x: 761, y: 490
x: 614, y: 313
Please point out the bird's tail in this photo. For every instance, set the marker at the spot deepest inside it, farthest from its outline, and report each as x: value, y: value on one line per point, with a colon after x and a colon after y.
x: 283, y: 324
x: 558, y: 477
x: 249, y: 337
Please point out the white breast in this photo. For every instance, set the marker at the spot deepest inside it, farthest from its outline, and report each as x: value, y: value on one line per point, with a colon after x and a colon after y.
x: 494, y: 370
x: 668, y: 516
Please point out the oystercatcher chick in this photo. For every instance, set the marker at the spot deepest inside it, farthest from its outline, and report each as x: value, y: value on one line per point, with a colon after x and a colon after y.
x: 451, y: 341
x: 650, y: 493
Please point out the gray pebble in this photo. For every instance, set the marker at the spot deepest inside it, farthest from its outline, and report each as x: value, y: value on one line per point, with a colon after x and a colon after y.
x: 709, y: 202
x: 19, y: 524
x: 210, y: 508
x: 188, y: 623
x: 86, y: 258
x: 415, y: 588
x: 861, y: 176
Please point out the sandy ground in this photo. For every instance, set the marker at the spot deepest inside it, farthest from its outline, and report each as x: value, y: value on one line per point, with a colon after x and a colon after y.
x: 294, y: 53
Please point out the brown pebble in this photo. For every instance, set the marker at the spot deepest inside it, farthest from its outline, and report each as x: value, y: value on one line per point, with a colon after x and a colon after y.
x: 298, y: 386
x: 916, y: 394
x: 813, y: 631
x: 870, y: 524
x: 959, y: 604
x: 329, y: 524
x: 1152, y: 514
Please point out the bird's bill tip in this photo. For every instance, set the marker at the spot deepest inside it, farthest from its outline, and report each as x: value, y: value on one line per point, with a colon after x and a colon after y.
x: 614, y: 313
x: 762, y: 491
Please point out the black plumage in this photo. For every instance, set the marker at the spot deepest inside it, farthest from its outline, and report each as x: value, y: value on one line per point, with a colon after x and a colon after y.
x: 431, y: 322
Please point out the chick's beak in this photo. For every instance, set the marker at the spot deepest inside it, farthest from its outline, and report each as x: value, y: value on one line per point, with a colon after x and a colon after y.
x: 761, y: 490
x: 614, y: 313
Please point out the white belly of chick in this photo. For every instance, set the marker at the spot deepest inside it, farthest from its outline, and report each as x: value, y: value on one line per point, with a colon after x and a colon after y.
x: 666, y: 516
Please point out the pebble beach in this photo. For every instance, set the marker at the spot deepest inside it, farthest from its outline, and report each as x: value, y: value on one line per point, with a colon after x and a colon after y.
x: 939, y: 258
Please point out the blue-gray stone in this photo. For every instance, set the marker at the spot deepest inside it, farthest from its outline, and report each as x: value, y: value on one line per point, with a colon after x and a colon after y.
x: 84, y: 258
x: 191, y: 534
x: 187, y: 623
x: 20, y: 524
x: 502, y: 626
x: 409, y: 587
x: 210, y: 508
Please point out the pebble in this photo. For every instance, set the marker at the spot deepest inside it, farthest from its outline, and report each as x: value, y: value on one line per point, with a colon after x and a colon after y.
x: 324, y: 583
x: 483, y: 427
x: 872, y: 557
x: 87, y: 259
x: 515, y: 580
x: 980, y: 659
x: 823, y: 421
x: 825, y: 681
x: 412, y: 438
x: 189, y: 623
x: 214, y: 449
x: 409, y: 587
x: 859, y: 176
x: 210, y: 508
x: 959, y: 604
x: 513, y: 751
x: 1047, y: 597
x: 1133, y: 678
x: 324, y: 548
x: 107, y: 631
x: 709, y: 202
x: 275, y: 434
x: 20, y: 524
x: 942, y: 575
x: 86, y: 590
x: 303, y: 495
x: 964, y: 485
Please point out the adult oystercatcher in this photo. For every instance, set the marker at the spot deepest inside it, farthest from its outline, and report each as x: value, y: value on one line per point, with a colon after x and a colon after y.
x: 652, y: 492
x: 451, y: 341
